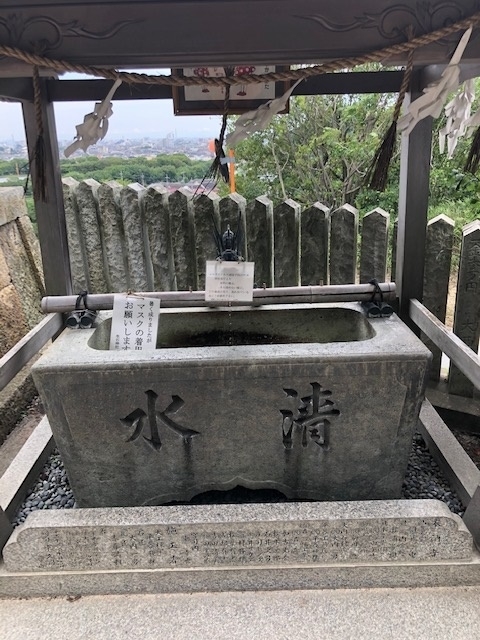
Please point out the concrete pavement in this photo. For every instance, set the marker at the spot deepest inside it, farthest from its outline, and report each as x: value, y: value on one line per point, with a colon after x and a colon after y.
x: 357, y: 614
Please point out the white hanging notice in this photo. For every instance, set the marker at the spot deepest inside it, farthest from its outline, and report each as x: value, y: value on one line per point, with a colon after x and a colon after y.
x: 229, y: 281
x: 134, y: 323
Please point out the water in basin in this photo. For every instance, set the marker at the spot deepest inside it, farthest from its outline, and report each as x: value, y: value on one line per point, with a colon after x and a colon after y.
x: 212, y: 327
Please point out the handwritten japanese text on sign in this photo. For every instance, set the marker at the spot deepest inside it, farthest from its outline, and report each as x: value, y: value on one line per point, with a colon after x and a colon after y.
x: 229, y: 281
x: 134, y: 323
x: 256, y: 91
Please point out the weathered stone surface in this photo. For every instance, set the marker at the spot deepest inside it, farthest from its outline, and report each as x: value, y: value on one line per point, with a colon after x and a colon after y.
x: 283, y: 588
x: 12, y: 204
x: 135, y: 428
x: 238, y: 535
x: 232, y: 210
x: 438, y: 257
x: 275, y: 604
x: 259, y: 221
x: 183, y: 242
x: 286, y: 234
x: 21, y: 289
x: 5, y: 279
x: 23, y: 277
x: 374, y: 245
x: 315, y: 225
x: 86, y: 195
x: 13, y: 322
x: 14, y: 400
x: 32, y: 247
x: 157, y: 221
x: 131, y: 204
x: 467, y: 310
x: 206, y: 211
x: 24, y: 469
x: 393, y: 269
x: 343, y: 245
x: 471, y: 518
x: 5, y: 528
x: 108, y: 196
x: 76, y: 244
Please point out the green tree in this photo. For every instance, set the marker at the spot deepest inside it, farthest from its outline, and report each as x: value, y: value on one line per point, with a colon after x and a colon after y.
x: 175, y: 167
x: 320, y: 151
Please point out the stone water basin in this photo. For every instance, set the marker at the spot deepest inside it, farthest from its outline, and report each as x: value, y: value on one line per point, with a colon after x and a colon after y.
x: 314, y: 400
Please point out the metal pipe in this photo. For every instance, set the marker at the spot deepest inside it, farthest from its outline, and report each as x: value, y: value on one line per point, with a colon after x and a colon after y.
x: 276, y: 295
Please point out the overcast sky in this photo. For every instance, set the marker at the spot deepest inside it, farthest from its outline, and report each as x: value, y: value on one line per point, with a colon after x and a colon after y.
x: 131, y: 119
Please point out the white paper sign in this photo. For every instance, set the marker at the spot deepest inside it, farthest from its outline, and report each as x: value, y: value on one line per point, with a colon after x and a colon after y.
x: 229, y: 281
x: 257, y: 91
x: 134, y: 323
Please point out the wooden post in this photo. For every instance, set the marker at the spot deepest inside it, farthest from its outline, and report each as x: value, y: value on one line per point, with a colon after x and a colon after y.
x: 413, y: 208
x: 50, y: 214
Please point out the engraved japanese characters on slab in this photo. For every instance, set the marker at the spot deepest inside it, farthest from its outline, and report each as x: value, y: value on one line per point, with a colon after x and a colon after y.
x: 238, y: 536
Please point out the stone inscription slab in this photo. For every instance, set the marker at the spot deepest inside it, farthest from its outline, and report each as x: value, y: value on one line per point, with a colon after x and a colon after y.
x: 238, y: 535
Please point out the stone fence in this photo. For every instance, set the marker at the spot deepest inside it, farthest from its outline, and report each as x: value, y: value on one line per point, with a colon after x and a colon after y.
x: 146, y: 239
x: 21, y: 290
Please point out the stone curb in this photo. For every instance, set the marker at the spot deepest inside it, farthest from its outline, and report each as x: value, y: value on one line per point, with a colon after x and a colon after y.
x: 457, y: 466
x: 25, y: 467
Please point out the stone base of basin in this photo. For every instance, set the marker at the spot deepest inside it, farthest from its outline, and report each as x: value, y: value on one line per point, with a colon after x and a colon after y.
x: 239, y: 547
x: 327, y: 414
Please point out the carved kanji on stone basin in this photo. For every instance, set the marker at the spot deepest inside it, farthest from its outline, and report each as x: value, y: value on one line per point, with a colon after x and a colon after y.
x: 137, y: 420
x: 323, y: 409
x: 312, y: 416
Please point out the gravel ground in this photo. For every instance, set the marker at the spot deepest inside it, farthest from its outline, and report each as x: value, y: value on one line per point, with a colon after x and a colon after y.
x: 471, y: 443
x: 51, y: 491
x: 423, y: 480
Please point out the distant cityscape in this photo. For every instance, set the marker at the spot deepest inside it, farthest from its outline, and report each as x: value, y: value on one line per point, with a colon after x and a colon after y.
x: 194, y: 148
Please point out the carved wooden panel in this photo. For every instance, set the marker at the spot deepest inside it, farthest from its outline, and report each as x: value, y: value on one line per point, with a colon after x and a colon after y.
x: 210, y: 32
